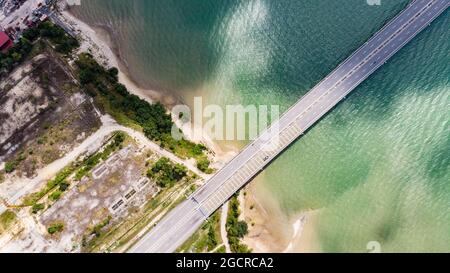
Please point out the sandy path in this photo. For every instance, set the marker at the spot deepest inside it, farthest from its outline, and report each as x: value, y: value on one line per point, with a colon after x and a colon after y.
x: 98, y: 42
x: 90, y: 145
x: 223, y: 230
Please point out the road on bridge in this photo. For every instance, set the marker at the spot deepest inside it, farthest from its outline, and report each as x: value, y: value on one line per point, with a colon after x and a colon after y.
x: 186, y: 218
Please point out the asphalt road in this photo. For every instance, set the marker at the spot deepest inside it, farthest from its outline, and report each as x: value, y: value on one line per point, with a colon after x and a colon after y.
x: 186, y: 218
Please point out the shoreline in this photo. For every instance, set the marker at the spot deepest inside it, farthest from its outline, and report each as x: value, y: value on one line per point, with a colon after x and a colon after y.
x: 97, y: 41
x: 265, y: 235
x: 270, y: 229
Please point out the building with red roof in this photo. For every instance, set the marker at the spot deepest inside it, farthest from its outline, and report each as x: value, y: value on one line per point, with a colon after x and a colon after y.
x: 5, y: 42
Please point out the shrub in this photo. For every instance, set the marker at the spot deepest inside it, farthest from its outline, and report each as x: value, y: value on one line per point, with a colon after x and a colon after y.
x: 57, y: 227
x: 10, y: 167
x: 63, y: 186
x: 56, y: 195
x: 241, y: 229
x: 236, y: 229
x: 166, y: 173
x: 153, y: 118
x: 7, y: 218
x: 203, y: 164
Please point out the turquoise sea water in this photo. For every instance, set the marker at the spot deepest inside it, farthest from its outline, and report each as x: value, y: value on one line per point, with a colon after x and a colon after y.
x: 378, y: 166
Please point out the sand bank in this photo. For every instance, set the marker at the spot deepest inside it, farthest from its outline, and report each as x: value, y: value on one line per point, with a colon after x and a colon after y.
x: 98, y: 42
x: 270, y: 229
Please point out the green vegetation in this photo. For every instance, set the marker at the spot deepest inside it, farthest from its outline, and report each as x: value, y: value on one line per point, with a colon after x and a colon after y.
x: 97, y: 230
x: 56, y: 194
x: 95, y: 234
x: 221, y: 249
x: 11, y: 166
x: 55, y: 228
x: 236, y: 229
x: 7, y: 219
x: 62, y: 42
x: 212, y: 239
x: 63, y: 186
x: 37, y: 207
x: 206, y: 239
x: 130, y: 110
x: 59, y: 180
x: 203, y: 164
x: 15, y: 55
x: 166, y: 173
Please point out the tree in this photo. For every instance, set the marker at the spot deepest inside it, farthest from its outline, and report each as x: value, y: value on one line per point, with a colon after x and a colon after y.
x: 212, y: 238
x: 86, y: 76
x: 241, y: 229
x: 63, y: 186
x: 179, y: 171
x: 114, y: 73
x: 203, y: 164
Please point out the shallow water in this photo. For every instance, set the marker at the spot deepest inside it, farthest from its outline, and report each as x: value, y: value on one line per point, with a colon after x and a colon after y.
x: 377, y: 165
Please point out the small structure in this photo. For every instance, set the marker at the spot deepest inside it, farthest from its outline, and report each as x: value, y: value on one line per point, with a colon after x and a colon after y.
x: 5, y: 42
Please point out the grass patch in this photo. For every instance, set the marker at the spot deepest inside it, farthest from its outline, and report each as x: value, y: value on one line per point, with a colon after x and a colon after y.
x: 206, y: 239
x: 95, y: 233
x: 55, y: 228
x: 7, y: 219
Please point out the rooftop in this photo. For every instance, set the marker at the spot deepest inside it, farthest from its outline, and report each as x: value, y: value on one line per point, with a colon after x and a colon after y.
x: 5, y: 42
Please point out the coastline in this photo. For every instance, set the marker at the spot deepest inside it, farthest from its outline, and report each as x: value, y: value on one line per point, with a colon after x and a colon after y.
x: 98, y: 42
x: 287, y: 234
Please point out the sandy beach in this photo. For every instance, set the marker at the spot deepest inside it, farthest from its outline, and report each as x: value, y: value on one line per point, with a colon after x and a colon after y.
x: 270, y: 230
x: 98, y: 42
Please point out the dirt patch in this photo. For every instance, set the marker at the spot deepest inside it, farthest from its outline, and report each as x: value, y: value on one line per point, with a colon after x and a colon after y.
x: 43, y: 114
x: 107, y: 194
